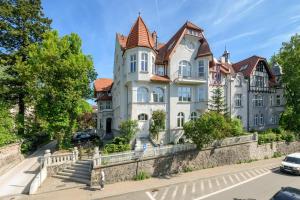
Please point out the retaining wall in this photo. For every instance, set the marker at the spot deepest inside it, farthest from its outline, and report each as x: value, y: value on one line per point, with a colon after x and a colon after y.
x: 194, y: 159
x: 10, y: 155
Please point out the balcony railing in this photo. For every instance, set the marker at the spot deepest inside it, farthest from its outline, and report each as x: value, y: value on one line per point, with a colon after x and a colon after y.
x: 190, y: 77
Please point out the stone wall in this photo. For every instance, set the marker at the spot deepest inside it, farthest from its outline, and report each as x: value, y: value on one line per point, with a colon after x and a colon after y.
x: 10, y: 155
x: 195, y: 159
x: 54, y: 169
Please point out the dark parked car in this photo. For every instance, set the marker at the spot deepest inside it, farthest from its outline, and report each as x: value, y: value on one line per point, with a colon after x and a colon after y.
x: 82, y: 137
x: 287, y: 193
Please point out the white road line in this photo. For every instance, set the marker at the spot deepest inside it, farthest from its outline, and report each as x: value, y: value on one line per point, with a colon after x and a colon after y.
x: 242, y: 175
x: 202, y: 186
x: 154, y: 194
x: 258, y: 172
x: 209, y: 183
x: 249, y: 175
x: 217, y: 181
x: 184, y: 190
x: 225, y: 182
x: 237, y: 177
x: 194, y: 188
x: 262, y: 171
x: 232, y: 186
x: 174, y: 192
x: 164, y: 194
x: 230, y: 178
x: 150, y: 196
x: 253, y: 173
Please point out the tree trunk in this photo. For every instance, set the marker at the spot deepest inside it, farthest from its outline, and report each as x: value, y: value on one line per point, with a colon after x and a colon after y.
x: 21, y: 114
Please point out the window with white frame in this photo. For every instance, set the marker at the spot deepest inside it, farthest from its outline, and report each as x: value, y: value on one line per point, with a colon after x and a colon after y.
x: 271, y: 100
x: 144, y: 62
x: 180, y: 119
x: 193, y: 116
x: 142, y: 94
x: 142, y: 117
x: 201, y: 69
x: 105, y: 105
x: 278, y: 100
x: 184, y: 94
x: 153, y: 64
x: 261, y: 120
x: 201, y: 94
x: 238, y: 81
x: 259, y: 81
x: 238, y: 100
x: 158, y: 94
x: 185, y: 69
x: 258, y: 100
x: 260, y: 67
x: 160, y: 70
x: 133, y: 63
x: 256, y: 120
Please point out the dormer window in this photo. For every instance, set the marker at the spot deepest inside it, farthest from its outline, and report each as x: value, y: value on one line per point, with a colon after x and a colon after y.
x: 160, y: 70
x: 194, y: 33
x: 260, y: 67
x: 144, y: 62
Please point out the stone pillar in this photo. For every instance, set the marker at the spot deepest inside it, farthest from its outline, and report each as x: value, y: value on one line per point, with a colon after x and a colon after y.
x: 75, y: 154
x: 47, y: 157
x: 96, y: 157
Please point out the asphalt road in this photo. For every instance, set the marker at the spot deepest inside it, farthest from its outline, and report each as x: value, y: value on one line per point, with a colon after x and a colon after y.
x: 258, y: 183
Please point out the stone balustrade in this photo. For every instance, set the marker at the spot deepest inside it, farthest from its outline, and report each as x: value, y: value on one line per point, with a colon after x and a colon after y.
x: 50, y: 160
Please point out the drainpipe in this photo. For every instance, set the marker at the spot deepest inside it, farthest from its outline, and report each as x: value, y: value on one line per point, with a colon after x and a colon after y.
x: 248, y: 91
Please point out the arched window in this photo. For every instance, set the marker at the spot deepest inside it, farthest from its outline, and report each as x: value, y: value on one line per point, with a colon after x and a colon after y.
x: 158, y: 95
x: 142, y: 94
x: 143, y: 116
x: 185, y: 69
x: 180, y: 119
x: 193, y: 116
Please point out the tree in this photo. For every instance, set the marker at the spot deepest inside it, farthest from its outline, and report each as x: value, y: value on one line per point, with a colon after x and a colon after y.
x: 60, y: 77
x: 217, y: 103
x: 7, y: 135
x: 22, y: 23
x: 289, y: 59
x: 85, y: 115
x: 157, y: 123
x: 128, y: 129
x: 209, y: 127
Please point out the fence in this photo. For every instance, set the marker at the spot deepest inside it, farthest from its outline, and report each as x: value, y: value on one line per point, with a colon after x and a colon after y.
x: 165, y: 150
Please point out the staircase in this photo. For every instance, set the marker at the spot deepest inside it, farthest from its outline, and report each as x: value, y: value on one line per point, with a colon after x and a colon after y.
x: 77, y: 172
x: 140, y: 142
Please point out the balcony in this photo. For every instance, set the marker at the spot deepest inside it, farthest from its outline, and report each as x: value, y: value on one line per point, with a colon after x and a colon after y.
x: 190, y: 78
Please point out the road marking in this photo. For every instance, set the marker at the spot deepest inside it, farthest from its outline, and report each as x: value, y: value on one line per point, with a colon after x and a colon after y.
x: 164, y: 194
x: 232, y: 186
x: 209, y: 183
x: 174, y: 192
x: 202, y: 186
x: 230, y: 178
x: 150, y: 196
x: 194, y: 188
x: 184, y: 190
x: 258, y: 172
x: 242, y: 175
x: 225, y: 182
x: 253, y: 173
x: 262, y: 171
x: 237, y: 178
x: 155, y: 193
x: 249, y: 175
x: 217, y: 181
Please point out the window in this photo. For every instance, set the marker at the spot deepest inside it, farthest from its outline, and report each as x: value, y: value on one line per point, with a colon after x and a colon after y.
x: 185, y: 69
x: 271, y: 100
x: 193, y: 116
x: 260, y: 67
x: 143, y: 117
x: 238, y: 100
x: 238, y: 81
x: 184, y: 94
x: 201, y: 94
x: 262, y: 121
x: 133, y: 63
x: 158, y: 95
x: 142, y: 94
x: 201, y: 69
x: 153, y: 64
x: 180, y: 119
x: 274, y: 119
x: 144, y: 62
x: 239, y: 117
x: 256, y: 120
x: 278, y: 100
x: 259, y: 81
x: 105, y: 105
x: 258, y: 100
x: 160, y: 70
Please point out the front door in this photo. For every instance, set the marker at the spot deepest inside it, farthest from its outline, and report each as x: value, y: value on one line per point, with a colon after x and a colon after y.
x: 143, y: 128
x: 108, y: 125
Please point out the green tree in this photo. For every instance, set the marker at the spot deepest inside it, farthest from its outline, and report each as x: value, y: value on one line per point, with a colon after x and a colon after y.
x: 85, y: 115
x: 157, y: 123
x: 128, y: 129
x: 22, y: 23
x: 289, y: 59
x: 209, y: 127
x: 60, y: 77
x: 7, y: 132
x: 217, y: 102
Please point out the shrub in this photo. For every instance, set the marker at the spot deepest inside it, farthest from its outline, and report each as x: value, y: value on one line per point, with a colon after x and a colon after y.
x: 128, y: 129
x: 157, y: 123
x: 236, y: 127
x: 114, y: 148
x: 276, y: 154
x: 266, y: 137
x: 187, y: 169
x: 141, y: 176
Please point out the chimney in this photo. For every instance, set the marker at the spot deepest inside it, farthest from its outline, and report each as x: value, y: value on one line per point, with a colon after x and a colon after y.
x: 154, y: 36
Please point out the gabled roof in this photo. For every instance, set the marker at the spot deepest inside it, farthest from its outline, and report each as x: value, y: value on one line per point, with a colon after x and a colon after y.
x: 102, y: 84
x: 139, y: 35
x: 204, y: 49
x: 247, y: 65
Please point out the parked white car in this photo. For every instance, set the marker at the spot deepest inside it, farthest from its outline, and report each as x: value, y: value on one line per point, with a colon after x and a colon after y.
x: 291, y: 164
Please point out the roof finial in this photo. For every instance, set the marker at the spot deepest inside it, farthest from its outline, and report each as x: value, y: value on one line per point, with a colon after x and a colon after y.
x: 139, y: 13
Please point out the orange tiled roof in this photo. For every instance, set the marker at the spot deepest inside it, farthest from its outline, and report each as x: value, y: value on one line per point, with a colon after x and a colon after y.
x: 102, y: 84
x: 204, y: 49
x: 122, y: 40
x: 139, y: 36
x: 160, y: 78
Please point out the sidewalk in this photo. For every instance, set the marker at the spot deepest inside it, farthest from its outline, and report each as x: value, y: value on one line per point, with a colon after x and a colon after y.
x: 58, y: 189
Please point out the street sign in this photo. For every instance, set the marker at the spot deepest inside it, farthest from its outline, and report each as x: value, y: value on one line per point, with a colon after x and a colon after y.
x: 144, y: 147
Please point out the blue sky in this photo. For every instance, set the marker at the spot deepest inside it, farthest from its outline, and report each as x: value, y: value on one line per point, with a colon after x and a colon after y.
x: 246, y: 27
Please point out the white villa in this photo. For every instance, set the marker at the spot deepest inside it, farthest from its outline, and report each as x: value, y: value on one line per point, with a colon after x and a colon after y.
x: 178, y: 77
